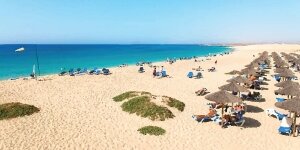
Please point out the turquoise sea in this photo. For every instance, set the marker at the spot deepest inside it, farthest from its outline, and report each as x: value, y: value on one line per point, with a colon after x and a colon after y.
x: 54, y: 57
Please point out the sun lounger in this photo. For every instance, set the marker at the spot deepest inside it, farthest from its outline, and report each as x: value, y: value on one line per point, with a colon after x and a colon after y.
x: 93, y: 71
x: 201, y: 92
x: 83, y: 71
x: 212, y: 69
x: 199, y: 75
x: 280, y: 99
x: 273, y: 112
x: 164, y: 74
x: 240, y: 122
x: 71, y: 72
x: 141, y: 70
x: 285, y: 127
x: 190, y: 75
x: 105, y: 71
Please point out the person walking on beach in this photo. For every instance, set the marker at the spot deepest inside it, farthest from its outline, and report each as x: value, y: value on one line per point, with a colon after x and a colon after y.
x: 216, y: 62
x: 154, y: 72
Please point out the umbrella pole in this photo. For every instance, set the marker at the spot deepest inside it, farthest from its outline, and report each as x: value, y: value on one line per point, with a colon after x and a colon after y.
x: 222, y: 123
x: 294, y: 125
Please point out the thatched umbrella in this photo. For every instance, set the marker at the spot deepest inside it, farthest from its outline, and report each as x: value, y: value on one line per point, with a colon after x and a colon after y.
x: 292, y: 105
x: 233, y: 72
x: 252, y: 65
x: 223, y: 97
x: 286, y: 83
x: 292, y: 90
x: 280, y: 70
x: 240, y: 79
x: 281, y: 63
x: 287, y: 73
x: 232, y: 86
x: 248, y: 71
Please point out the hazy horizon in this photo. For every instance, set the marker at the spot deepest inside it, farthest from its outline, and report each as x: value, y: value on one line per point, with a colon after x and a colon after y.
x: 222, y: 22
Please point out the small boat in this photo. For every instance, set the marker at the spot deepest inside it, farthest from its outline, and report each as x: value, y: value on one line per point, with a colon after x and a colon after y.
x: 20, y: 49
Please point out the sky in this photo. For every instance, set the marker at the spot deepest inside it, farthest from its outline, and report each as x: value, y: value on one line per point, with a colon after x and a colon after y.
x: 149, y: 21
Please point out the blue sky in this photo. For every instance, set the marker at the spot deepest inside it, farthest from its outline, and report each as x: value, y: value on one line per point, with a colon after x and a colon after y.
x: 149, y: 21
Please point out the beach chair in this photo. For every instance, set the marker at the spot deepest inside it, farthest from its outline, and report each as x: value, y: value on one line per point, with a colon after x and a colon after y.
x: 280, y: 99
x: 97, y: 72
x: 83, y: 71
x: 105, y: 71
x: 212, y: 69
x: 285, y: 128
x: 240, y: 122
x: 163, y: 73
x: 141, y: 70
x: 201, y: 92
x: 190, y: 75
x: 71, y: 72
x: 93, y: 71
x: 273, y: 112
x: 277, y: 78
x: 199, y: 75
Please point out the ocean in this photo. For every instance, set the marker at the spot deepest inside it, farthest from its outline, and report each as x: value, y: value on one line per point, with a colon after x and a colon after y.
x: 52, y: 58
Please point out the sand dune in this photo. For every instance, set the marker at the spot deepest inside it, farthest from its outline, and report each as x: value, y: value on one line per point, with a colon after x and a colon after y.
x: 79, y: 113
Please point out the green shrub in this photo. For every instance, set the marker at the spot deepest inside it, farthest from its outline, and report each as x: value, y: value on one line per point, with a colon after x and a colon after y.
x: 176, y: 103
x: 125, y: 95
x: 142, y: 106
x: 152, y: 130
x: 13, y: 110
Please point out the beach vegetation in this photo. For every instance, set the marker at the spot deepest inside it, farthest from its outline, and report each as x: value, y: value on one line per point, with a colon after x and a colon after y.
x: 125, y: 95
x: 143, y: 107
x: 16, y: 109
x: 152, y: 130
x: 172, y: 102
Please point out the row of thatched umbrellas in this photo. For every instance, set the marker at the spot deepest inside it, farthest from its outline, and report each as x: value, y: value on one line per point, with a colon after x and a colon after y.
x: 225, y: 97
x: 289, y: 88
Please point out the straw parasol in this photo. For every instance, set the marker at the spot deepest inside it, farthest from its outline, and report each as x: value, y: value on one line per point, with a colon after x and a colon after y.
x: 249, y: 71
x: 234, y: 72
x: 240, y: 79
x: 232, y: 86
x: 292, y: 90
x: 223, y: 97
x: 292, y: 105
x: 287, y: 73
x: 286, y: 83
x: 280, y: 70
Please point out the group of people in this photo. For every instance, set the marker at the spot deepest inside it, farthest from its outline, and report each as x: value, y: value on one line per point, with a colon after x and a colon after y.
x: 156, y: 73
x: 232, y: 114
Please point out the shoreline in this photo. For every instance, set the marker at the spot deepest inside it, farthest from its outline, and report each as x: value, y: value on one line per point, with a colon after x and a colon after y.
x: 230, y: 50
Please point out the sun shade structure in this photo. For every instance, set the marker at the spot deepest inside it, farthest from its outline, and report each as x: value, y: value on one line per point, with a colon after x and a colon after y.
x: 292, y: 90
x: 287, y: 73
x: 287, y: 83
x: 292, y: 105
x: 234, y: 72
x: 280, y: 70
x: 232, y: 86
x: 240, y: 79
x: 223, y: 97
x: 248, y: 71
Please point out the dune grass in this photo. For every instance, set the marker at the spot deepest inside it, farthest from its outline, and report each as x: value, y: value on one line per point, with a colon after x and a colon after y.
x: 142, y: 106
x: 172, y: 102
x: 124, y: 96
x: 152, y: 130
x: 13, y: 110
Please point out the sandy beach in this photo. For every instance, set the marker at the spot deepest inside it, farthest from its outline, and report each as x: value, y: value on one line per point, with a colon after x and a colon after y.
x: 79, y: 113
